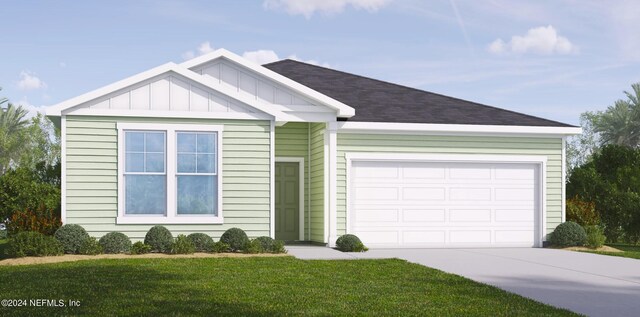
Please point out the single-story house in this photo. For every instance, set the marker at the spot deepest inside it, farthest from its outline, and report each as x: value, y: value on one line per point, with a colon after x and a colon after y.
x: 300, y: 152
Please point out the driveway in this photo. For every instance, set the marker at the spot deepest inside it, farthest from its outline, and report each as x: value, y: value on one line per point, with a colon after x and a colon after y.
x: 590, y: 284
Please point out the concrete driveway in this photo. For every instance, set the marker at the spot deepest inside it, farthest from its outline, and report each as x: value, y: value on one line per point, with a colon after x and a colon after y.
x: 590, y: 284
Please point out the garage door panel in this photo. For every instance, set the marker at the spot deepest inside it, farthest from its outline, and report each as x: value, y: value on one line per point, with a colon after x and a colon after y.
x: 443, y: 204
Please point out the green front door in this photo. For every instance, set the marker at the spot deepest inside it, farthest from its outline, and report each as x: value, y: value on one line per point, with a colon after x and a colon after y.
x: 287, y: 201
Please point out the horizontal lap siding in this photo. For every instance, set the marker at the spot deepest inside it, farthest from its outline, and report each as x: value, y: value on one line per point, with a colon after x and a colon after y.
x: 317, y: 181
x: 549, y: 147
x: 92, y: 176
x: 292, y: 140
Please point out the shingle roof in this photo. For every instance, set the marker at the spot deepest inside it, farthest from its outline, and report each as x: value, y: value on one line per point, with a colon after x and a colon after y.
x: 379, y: 101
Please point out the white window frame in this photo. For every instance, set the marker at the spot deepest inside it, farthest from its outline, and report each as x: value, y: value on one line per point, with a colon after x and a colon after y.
x: 172, y: 216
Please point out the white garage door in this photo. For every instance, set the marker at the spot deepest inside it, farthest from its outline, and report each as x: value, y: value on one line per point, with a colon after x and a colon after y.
x: 412, y: 204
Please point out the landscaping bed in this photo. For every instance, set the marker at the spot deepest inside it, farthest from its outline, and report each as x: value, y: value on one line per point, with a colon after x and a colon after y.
x: 624, y: 250
x: 260, y: 286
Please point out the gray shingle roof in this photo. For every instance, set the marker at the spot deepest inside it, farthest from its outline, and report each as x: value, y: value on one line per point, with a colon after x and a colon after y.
x: 379, y: 101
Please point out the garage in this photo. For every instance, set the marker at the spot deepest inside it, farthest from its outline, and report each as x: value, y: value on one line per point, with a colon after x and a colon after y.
x: 410, y: 203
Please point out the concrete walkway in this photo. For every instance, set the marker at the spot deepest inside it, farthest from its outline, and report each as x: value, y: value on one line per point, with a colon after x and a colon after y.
x: 590, y: 284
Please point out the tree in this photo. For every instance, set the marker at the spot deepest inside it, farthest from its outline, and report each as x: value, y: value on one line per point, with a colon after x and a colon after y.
x: 620, y: 123
x: 581, y: 147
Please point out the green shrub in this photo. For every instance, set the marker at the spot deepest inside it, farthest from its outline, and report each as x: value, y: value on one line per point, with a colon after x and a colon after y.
x: 595, y: 236
x: 350, y: 243
x: 140, y: 248
x: 30, y: 189
x: 568, y: 234
x: 183, y: 245
x: 115, y: 242
x: 91, y: 246
x: 278, y: 247
x: 220, y: 247
x: 201, y: 241
x: 582, y: 212
x: 252, y: 247
x: 3, y: 234
x: 266, y: 243
x: 31, y: 243
x: 45, y: 221
x: 235, y: 238
x: 72, y: 237
x: 159, y: 238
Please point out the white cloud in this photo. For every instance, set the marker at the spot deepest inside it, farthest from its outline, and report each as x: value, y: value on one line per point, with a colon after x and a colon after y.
x: 541, y: 40
x: 29, y: 81
x: 309, y: 7
x: 62, y: 64
x: 204, y: 48
x: 259, y: 57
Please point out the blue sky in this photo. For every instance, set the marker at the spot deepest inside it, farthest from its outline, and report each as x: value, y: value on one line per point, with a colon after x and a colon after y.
x: 554, y: 59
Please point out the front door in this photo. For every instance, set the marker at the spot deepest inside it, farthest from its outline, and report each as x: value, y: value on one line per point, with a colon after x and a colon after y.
x: 287, y: 201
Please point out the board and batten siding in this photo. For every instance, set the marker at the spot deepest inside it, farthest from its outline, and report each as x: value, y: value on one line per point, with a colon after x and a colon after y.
x: 292, y: 140
x: 395, y: 143
x: 92, y: 175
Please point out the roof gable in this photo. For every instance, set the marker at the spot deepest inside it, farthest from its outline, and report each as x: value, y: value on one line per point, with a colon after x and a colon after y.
x: 379, y: 101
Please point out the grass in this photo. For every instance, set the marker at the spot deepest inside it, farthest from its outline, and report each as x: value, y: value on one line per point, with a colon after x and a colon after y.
x: 629, y: 251
x: 257, y: 286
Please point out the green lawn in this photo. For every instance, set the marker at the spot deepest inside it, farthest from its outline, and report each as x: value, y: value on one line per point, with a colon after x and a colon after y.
x: 256, y: 286
x: 630, y: 251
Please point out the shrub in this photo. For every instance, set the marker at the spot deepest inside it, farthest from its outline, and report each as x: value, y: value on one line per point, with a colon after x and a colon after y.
x: 278, y: 247
x: 252, y: 247
x: 595, y: 236
x: 266, y: 243
x: 72, y: 237
x: 31, y: 243
x: 30, y: 189
x: 235, y: 238
x: 3, y: 234
x: 568, y: 234
x: 350, y: 243
x: 91, y: 246
x: 140, y: 248
x: 220, y: 247
x: 201, y: 241
x: 115, y: 242
x: 159, y: 238
x: 183, y: 245
x: 45, y: 221
x: 582, y: 212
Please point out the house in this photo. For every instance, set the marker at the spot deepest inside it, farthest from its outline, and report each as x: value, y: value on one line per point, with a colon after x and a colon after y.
x: 300, y: 152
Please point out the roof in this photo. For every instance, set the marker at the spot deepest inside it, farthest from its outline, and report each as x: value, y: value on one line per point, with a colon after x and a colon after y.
x: 379, y: 101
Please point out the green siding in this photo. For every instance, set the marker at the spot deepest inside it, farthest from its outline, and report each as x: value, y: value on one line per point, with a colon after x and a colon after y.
x: 549, y: 147
x: 317, y: 181
x: 91, y: 172
x: 292, y: 140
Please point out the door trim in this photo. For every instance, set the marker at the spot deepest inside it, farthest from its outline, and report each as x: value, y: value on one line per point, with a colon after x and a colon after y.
x: 541, y: 161
x: 300, y: 161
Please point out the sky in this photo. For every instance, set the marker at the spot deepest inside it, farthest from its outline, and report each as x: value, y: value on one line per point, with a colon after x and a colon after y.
x: 554, y: 59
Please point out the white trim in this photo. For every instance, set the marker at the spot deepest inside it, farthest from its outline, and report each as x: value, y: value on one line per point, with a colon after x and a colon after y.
x: 69, y: 105
x: 342, y: 109
x: 300, y: 161
x: 170, y: 114
x: 453, y: 129
x: 541, y: 161
x: 171, y: 217
x: 63, y: 169
x: 564, y: 180
x: 308, y: 169
x: 272, y: 185
x: 333, y: 184
x: 326, y: 191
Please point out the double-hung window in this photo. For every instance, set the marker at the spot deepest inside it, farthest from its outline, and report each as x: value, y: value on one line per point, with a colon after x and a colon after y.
x: 169, y: 173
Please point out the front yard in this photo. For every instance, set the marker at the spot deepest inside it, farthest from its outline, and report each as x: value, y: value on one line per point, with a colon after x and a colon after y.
x: 629, y: 251
x: 256, y: 286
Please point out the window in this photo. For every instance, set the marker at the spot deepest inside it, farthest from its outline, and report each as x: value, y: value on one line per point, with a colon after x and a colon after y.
x: 169, y: 173
x: 145, y: 177
x: 196, y: 175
